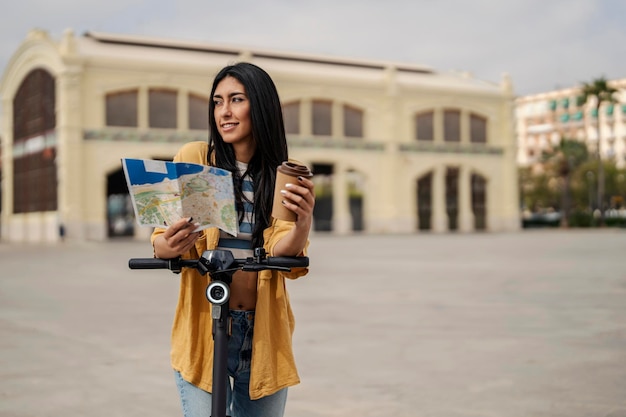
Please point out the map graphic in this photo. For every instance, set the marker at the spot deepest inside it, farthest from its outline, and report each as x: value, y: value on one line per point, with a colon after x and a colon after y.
x: 163, y: 192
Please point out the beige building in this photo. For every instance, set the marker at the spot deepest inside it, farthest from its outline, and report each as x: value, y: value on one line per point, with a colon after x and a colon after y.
x: 396, y: 148
x: 543, y: 119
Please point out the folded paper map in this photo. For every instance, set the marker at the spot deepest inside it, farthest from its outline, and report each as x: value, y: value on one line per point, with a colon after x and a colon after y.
x: 163, y: 192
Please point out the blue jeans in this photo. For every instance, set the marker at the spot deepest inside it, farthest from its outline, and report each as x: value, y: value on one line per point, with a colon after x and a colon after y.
x: 197, y: 402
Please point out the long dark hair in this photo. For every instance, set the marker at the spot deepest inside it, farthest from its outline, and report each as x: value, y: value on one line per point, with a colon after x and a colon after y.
x: 268, y: 132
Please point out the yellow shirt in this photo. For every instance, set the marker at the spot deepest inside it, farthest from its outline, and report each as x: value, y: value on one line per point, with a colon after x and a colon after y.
x: 273, y: 366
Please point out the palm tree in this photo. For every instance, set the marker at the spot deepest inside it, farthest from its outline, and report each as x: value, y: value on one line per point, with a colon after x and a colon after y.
x: 569, y: 156
x: 602, y: 92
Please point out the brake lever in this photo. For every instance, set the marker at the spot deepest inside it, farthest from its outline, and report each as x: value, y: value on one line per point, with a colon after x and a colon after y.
x: 256, y: 268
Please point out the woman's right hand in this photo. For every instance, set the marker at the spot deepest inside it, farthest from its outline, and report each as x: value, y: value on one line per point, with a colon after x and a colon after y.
x: 179, y: 238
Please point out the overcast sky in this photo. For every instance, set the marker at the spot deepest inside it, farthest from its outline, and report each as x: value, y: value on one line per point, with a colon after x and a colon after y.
x: 542, y: 44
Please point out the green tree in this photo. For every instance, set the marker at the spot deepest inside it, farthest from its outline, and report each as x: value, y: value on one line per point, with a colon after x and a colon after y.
x: 584, y: 182
x: 615, y: 185
x: 556, y: 182
x: 539, y: 190
x: 584, y: 185
x: 595, y: 93
x: 567, y: 158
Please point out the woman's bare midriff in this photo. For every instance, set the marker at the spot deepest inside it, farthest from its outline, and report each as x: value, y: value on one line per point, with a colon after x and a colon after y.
x: 243, y: 291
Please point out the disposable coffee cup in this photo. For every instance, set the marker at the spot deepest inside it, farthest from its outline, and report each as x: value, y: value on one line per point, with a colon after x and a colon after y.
x: 287, y: 172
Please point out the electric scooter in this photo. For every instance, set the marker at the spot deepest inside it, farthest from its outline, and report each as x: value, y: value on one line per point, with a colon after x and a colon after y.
x: 221, y: 265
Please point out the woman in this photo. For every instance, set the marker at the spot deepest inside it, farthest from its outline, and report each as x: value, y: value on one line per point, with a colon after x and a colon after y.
x: 246, y: 137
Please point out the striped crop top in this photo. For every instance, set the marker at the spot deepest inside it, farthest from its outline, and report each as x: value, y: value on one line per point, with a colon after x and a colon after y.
x: 241, y: 245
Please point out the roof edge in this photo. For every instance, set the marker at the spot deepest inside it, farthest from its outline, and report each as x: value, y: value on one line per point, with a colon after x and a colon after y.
x: 155, y: 42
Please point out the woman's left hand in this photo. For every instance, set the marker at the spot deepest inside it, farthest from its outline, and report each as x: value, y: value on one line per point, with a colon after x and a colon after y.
x: 299, y: 197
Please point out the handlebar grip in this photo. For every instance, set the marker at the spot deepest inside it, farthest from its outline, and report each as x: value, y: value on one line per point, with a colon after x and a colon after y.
x: 148, y: 263
x: 288, y: 261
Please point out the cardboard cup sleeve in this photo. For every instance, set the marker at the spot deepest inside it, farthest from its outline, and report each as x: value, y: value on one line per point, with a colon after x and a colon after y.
x: 288, y: 172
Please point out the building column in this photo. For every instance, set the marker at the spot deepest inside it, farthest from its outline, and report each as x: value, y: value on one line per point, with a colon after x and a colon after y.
x: 465, y: 127
x: 466, y: 216
x: 387, y: 184
x: 306, y: 118
x: 336, y: 119
x: 508, y: 216
x: 70, y: 154
x: 6, y: 180
x: 182, y: 110
x: 439, y: 215
x: 342, y: 219
x: 438, y: 126
x: 143, y: 121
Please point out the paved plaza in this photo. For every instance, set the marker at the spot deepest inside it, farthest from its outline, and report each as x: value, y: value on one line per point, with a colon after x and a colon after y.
x: 528, y: 324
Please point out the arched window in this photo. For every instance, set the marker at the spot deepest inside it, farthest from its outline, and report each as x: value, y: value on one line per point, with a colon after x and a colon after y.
x: 121, y: 109
x: 478, y: 129
x: 352, y: 122
x: 34, y: 144
x: 291, y: 117
x: 424, y: 201
x: 424, y: 126
x: 479, y: 201
x: 322, y: 118
x: 198, y: 112
x: 34, y: 105
x: 452, y: 125
x: 452, y: 197
x: 162, y: 108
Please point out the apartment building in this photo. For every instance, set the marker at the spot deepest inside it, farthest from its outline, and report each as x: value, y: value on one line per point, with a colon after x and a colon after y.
x: 543, y: 119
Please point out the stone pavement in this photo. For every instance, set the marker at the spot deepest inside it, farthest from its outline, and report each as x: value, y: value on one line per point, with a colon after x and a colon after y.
x: 491, y: 325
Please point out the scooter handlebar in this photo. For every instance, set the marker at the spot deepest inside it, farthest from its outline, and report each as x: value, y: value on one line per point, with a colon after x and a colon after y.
x: 288, y: 261
x: 149, y: 263
x: 249, y: 264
